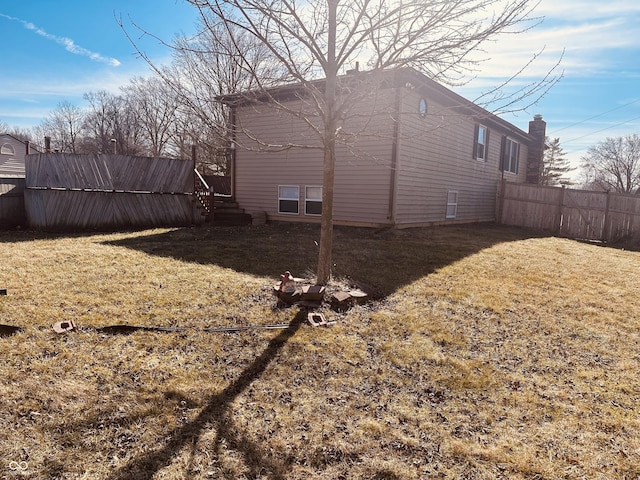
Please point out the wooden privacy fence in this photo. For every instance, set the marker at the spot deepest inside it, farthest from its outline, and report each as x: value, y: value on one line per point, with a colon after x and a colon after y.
x: 580, y: 214
x: 12, y: 211
x: 108, y: 192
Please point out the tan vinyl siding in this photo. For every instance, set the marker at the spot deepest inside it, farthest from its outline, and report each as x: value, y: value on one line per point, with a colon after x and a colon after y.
x: 362, y: 186
x: 374, y: 185
x: 362, y: 176
x: 436, y: 156
x: 12, y: 164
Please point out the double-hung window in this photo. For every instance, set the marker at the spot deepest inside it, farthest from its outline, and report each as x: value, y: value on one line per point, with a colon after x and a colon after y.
x: 313, y: 200
x: 481, y: 143
x: 452, y: 204
x: 510, y: 154
x: 288, y: 199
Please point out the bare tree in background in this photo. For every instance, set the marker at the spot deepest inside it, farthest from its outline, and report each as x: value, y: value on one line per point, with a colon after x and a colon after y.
x: 112, y: 117
x: 22, y: 134
x: 613, y: 164
x: 204, y: 66
x: 65, y: 127
x: 99, y: 121
x: 155, y: 108
x: 140, y: 120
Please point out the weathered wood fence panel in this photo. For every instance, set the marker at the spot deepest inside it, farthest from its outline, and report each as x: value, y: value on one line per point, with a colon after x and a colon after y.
x: 109, y: 172
x: 98, y: 192
x: 529, y: 206
x: 624, y: 216
x: 12, y: 210
x: 582, y: 214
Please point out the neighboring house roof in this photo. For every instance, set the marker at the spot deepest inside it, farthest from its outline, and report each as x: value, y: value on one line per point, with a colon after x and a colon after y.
x: 32, y: 146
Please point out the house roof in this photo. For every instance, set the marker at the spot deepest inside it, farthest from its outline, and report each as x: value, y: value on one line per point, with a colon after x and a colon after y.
x: 401, y: 77
x: 32, y: 145
x: 431, y: 88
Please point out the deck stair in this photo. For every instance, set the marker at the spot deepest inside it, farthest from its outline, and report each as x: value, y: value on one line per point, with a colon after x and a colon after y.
x: 221, y: 210
x: 227, y: 212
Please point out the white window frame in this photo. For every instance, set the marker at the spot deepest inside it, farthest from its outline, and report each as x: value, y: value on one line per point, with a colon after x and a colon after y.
x: 452, y: 204
x: 511, y: 156
x: 283, y: 198
x: 308, y: 198
x: 7, y: 149
x: 484, y: 131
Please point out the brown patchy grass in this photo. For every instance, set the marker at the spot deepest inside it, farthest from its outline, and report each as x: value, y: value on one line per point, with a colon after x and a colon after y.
x: 494, y: 353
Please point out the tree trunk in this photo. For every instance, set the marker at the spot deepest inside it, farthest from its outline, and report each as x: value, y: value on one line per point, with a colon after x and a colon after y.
x: 326, y: 230
x: 328, y: 172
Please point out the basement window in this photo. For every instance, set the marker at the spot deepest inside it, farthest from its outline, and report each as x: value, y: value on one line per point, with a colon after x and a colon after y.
x: 313, y: 200
x: 288, y: 199
x: 452, y: 204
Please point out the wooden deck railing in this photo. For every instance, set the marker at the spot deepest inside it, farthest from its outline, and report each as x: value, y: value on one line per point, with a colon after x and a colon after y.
x: 203, y: 193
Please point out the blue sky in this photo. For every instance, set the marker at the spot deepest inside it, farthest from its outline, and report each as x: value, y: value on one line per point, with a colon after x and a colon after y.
x: 56, y: 51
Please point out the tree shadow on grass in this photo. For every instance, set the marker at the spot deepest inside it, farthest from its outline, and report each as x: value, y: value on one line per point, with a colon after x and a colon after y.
x: 217, y: 414
x: 386, y: 259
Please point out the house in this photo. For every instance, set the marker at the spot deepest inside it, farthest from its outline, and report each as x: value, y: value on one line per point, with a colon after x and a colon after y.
x: 412, y: 153
x: 12, y: 180
x: 12, y: 156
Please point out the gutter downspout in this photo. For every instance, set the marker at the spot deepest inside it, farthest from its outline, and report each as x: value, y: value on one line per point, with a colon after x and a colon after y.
x: 395, y: 152
x: 232, y: 155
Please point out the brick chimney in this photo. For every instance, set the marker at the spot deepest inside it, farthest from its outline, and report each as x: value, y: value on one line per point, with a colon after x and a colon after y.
x: 538, y: 130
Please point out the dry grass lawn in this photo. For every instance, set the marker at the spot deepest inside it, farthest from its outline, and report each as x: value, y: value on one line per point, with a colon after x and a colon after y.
x: 494, y: 353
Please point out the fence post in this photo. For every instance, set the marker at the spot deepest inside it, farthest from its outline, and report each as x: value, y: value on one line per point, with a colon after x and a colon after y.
x: 193, y: 171
x: 501, y: 187
x: 560, y: 210
x: 606, y: 229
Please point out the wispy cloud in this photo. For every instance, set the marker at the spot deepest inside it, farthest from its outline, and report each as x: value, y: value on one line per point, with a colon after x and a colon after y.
x: 67, y: 42
x: 581, y: 10
x: 594, y: 36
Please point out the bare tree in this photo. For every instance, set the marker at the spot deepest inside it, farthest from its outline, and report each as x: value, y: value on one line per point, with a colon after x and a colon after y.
x: 155, y: 109
x: 22, y: 134
x: 111, y: 123
x: 65, y: 127
x: 614, y: 164
x: 99, y: 121
x: 204, y: 66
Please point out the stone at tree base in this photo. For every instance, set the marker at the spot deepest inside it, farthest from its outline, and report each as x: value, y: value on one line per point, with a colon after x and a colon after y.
x: 341, y: 301
x: 358, y: 296
x: 313, y: 293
